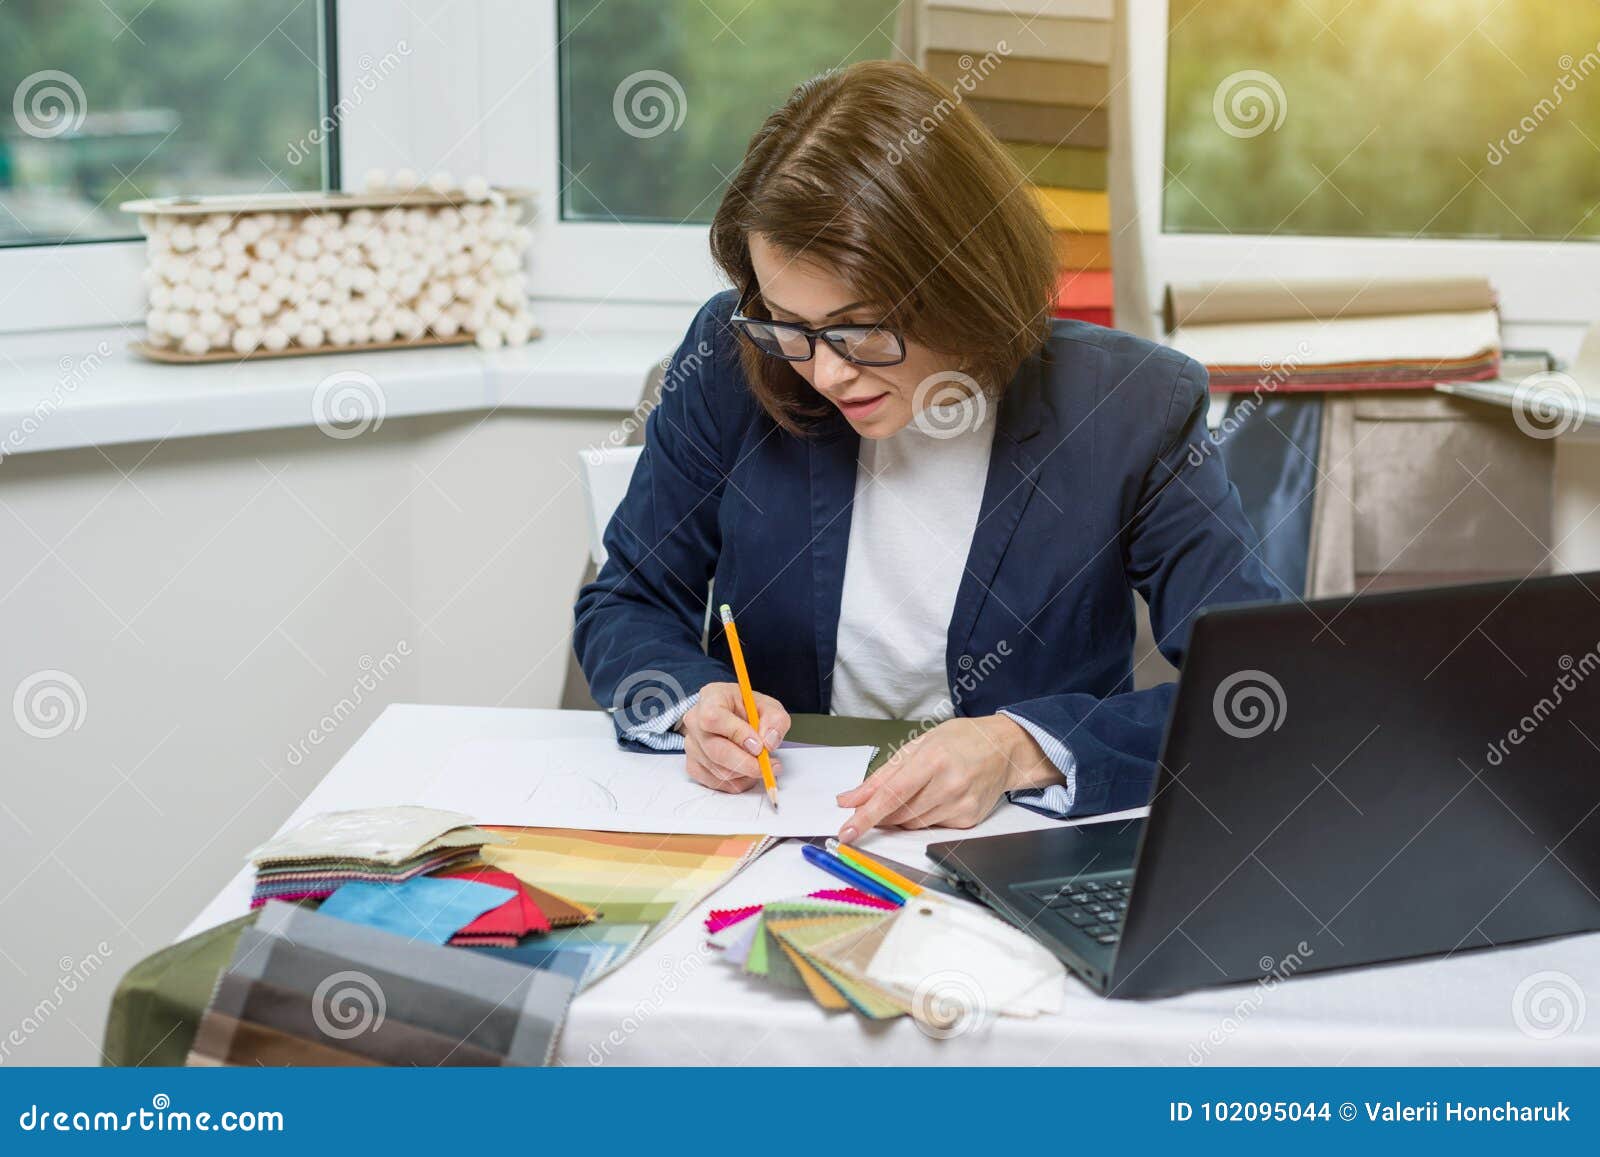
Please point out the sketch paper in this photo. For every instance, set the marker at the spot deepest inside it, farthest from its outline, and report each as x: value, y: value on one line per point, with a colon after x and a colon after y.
x: 582, y: 783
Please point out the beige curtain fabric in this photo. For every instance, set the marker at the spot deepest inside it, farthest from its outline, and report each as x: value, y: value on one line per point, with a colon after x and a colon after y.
x: 1417, y: 488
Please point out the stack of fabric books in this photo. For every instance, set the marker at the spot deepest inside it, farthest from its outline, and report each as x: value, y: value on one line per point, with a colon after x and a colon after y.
x: 1284, y: 336
x: 1037, y: 72
x: 371, y: 845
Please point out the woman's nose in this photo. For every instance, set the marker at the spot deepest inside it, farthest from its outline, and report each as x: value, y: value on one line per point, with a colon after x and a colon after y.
x: 831, y: 372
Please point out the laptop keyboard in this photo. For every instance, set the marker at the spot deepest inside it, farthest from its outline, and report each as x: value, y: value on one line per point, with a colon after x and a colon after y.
x: 1094, y: 907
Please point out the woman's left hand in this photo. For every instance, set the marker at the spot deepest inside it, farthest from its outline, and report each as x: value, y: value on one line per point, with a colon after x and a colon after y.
x: 951, y: 776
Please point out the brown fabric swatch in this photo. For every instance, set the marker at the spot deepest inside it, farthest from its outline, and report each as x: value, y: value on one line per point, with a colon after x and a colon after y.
x: 1021, y: 79
x: 1044, y: 124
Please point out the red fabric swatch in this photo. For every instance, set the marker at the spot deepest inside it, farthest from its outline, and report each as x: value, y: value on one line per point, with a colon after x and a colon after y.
x: 853, y: 896
x: 1092, y: 316
x: 1083, y: 289
x: 516, y: 918
x: 720, y: 918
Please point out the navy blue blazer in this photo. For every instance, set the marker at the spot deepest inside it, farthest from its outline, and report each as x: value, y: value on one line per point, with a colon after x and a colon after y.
x: 1103, y: 480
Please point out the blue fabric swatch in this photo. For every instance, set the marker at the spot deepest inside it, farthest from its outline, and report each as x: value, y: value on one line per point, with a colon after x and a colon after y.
x: 423, y: 908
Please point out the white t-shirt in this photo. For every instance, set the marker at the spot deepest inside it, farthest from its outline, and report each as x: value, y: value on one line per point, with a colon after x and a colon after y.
x: 917, y: 498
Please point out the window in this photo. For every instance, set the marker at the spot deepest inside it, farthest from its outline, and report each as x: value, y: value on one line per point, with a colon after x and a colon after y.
x: 660, y: 97
x: 117, y: 99
x: 1384, y: 118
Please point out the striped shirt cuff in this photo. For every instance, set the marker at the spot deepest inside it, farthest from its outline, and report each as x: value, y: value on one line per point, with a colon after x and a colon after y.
x: 658, y: 733
x: 1056, y: 799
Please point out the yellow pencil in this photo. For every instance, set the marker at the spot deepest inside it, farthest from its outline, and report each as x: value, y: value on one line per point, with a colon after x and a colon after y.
x: 749, y: 702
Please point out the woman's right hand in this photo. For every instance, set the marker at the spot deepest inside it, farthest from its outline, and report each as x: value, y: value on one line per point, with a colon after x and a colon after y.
x: 721, y: 746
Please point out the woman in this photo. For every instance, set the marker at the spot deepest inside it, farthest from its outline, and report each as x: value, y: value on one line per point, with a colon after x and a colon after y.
x: 924, y: 499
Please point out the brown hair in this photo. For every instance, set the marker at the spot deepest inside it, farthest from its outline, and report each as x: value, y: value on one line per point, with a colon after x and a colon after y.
x: 884, y: 177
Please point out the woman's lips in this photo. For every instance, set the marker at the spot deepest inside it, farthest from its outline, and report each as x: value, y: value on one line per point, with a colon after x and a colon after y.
x: 861, y: 407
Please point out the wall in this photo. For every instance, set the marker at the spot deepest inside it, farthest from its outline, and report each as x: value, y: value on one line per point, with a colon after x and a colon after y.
x: 232, y: 612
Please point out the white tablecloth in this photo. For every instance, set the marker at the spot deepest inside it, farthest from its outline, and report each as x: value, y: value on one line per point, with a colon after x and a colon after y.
x: 677, y: 1003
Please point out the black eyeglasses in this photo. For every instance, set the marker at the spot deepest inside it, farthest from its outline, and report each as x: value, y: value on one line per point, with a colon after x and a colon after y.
x: 862, y: 345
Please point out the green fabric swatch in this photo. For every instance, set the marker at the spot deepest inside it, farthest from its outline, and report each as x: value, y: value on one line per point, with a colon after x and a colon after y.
x: 157, y: 1005
x: 1059, y: 166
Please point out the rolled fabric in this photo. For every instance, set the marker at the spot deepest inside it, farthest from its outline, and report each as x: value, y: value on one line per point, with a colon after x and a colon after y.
x: 1213, y: 302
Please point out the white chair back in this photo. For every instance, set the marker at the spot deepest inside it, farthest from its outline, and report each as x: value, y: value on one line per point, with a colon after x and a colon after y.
x: 606, y: 473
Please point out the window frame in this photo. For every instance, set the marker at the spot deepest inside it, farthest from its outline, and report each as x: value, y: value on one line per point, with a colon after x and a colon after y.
x: 1541, y: 283
x: 76, y: 284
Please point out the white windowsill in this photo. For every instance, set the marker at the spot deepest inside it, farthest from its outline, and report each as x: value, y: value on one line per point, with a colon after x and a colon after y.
x: 52, y: 398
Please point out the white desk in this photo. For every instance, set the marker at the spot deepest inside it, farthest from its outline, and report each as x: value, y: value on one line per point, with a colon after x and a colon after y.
x: 676, y: 1003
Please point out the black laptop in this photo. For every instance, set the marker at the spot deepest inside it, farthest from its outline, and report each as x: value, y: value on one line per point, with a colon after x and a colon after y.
x: 1341, y: 782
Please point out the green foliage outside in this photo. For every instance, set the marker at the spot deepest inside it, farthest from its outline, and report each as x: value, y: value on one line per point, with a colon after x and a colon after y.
x: 734, y: 62
x: 178, y: 96
x: 1398, y: 118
